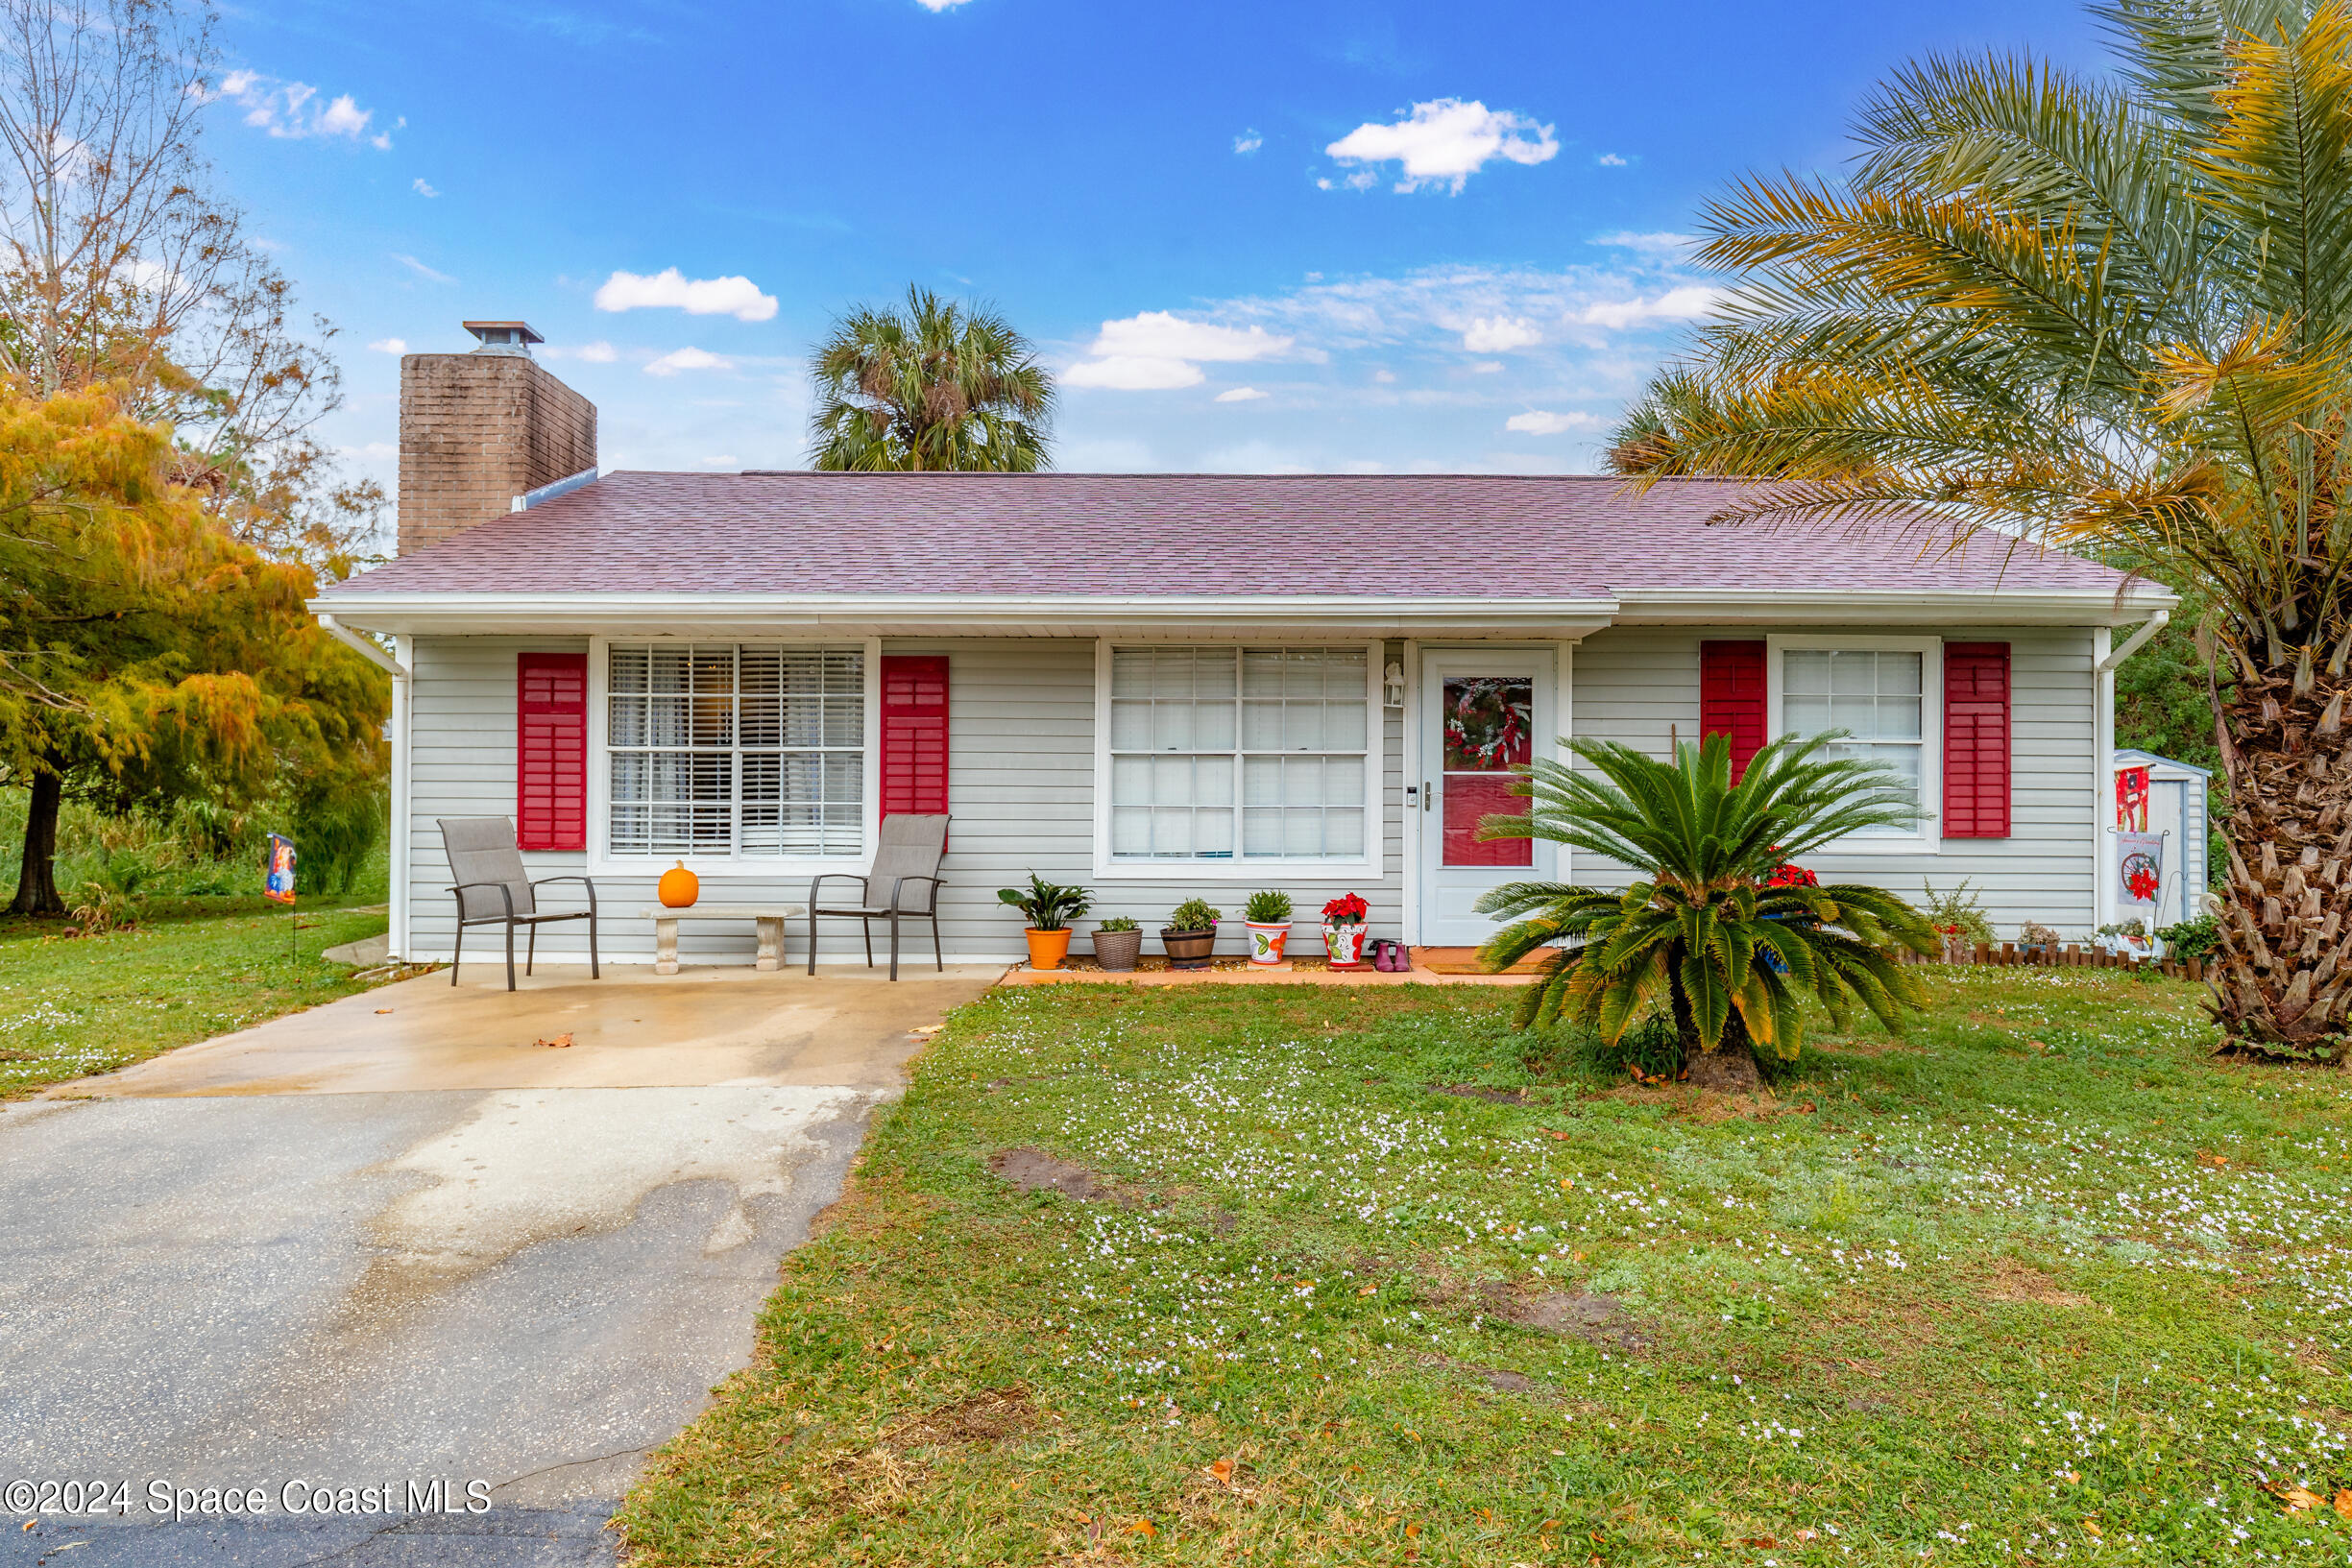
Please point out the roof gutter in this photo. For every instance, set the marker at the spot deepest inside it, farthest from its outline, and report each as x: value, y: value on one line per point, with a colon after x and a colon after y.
x: 360, y: 645
x: 2136, y: 641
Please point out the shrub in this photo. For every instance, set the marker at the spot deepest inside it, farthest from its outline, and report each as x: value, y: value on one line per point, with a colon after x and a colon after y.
x: 1269, y: 908
x: 1116, y: 923
x: 1959, y: 912
x: 1194, y: 915
x: 2192, y: 938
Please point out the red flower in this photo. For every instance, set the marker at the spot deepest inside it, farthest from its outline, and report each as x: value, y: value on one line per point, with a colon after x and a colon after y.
x: 1792, y: 875
x: 1346, y: 909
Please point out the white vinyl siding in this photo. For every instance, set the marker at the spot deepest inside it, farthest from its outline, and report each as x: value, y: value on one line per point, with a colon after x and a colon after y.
x: 1022, y: 756
x: 1639, y: 686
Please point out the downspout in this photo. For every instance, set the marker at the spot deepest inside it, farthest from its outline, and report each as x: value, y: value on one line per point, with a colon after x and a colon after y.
x: 397, y: 665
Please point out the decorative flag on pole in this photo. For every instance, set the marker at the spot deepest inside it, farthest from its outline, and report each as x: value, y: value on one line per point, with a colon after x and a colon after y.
x: 278, y: 881
x: 2140, y: 864
x: 2131, y: 799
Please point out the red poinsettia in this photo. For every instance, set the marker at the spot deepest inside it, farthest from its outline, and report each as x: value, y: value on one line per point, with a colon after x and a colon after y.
x: 1347, y: 910
x: 1789, y: 874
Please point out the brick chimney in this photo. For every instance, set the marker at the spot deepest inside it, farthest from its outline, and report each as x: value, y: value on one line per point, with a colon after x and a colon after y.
x: 478, y: 429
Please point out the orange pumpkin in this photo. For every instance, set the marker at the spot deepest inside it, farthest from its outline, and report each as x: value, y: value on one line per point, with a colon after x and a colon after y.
x: 678, y: 887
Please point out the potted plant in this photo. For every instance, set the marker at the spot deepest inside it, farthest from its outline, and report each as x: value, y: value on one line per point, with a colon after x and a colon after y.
x: 1344, y: 930
x: 1050, y: 910
x: 1116, y: 943
x: 2037, y: 940
x: 1269, y: 918
x: 1190, y: 935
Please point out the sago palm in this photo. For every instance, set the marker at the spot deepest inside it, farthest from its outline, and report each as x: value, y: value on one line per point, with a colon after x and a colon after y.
x: 937, y: 386
x: 2102, y: 316
x: 1705, y: 929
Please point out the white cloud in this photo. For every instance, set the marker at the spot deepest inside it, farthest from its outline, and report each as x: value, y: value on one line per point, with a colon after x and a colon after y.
x: 1662, y: 243
x: 421, y: 269
x: 598, y: 352
x: 724, y: 460
x: 422, y: 190
x: 390, y: 346
x: 686, y: 359
x: 935, y: 6
x: 1443, y: 142
x: 671, y: 289
x: 1542, y: 422
x: 1611, y: 161
x: 1488, y: 367
x: 1500, y: 334
x: 1157, y: 350
x: 1162, y: 334
x: 296, y: 109
x: 1680, y: 304
x: 1125, y: 372
x: 1247, y: 142
x: 1241, y: 394
x: 374, y: 451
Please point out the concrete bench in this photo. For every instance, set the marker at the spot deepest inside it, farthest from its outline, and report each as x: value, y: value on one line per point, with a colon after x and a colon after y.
x: 768, y: 919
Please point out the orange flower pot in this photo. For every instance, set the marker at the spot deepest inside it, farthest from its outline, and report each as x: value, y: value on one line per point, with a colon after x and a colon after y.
x: 1047, y: 949
x: 678, y: 887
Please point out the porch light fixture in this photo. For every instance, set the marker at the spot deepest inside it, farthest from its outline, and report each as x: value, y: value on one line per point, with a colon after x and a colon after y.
x: 1393, y: 686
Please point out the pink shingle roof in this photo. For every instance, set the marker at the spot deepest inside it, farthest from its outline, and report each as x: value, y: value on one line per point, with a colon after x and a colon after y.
x: 1439, y: 536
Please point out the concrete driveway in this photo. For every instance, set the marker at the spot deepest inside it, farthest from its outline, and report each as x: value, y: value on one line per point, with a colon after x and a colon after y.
x: 413, y: 1242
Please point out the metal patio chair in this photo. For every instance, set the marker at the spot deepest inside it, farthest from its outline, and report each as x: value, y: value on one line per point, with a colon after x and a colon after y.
x: 907, y: 861
x: 494, y: 889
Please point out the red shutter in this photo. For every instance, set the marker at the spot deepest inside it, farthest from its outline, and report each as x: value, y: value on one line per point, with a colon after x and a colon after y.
x: 551, y: 751
x: 1732, y: 698
x: 1975, y: 741
x: 913, y: 733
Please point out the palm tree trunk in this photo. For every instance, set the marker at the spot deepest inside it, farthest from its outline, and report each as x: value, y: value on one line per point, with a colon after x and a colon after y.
x: 1731, y: 1067
x: 2280, y: 987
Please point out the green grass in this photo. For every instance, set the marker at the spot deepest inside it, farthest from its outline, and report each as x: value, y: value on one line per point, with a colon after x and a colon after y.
x: 193, y: 969
x: 2041, y: 1282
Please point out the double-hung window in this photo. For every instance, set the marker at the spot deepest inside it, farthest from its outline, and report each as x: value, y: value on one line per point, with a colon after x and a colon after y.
x: 1882, y: 694
x: 743, y: 751
x: 1228, y: 754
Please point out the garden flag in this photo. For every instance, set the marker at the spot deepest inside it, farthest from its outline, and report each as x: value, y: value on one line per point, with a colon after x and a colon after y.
x: 2139, y: 859
x: 2131, y: 799
x: 277, y: 883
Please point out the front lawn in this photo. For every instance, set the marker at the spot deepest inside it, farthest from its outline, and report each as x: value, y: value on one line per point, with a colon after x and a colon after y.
x: 2039, y: 1282
x: 196, y: 967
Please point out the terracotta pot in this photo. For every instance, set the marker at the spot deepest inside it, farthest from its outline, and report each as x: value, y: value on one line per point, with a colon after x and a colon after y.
x: 1344, y: 943
x: 1268, y: 940
x: 678, y: 887
x: 1117, y: 949
x: 1048, y: 949
x: 1188, y: 950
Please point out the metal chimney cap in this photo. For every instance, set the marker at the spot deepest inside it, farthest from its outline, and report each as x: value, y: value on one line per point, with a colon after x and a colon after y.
x: 504, y: 337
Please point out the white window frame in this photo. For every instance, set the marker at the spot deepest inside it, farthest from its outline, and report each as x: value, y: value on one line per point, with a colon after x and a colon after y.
x: 1928, y: 838
x: 604, y: 862
x: 1240, y: 868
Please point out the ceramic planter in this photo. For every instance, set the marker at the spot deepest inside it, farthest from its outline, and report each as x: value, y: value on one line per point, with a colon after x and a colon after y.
x: 1047, y: 949
x: 1117, y: 949
x: 1188, y: 950
x: 1344, y: 943
x: 1268, y: 940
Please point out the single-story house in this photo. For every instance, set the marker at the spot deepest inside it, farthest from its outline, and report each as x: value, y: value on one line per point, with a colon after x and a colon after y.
x: 1167, y: 684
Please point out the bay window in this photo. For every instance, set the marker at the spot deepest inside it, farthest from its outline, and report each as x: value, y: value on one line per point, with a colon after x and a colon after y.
x: 738, y: 751
x: 1233, y: 755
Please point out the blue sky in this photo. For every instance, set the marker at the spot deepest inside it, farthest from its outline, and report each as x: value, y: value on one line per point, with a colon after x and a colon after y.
x: 1252, y: 237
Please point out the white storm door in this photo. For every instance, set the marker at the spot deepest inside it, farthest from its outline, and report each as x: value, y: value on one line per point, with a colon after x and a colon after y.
x: 1482, y: 716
